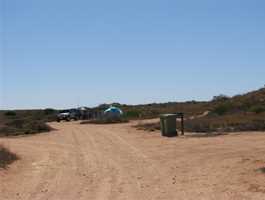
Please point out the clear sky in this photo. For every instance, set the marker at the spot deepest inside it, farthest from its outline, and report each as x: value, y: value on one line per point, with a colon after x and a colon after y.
x: 64, y: 53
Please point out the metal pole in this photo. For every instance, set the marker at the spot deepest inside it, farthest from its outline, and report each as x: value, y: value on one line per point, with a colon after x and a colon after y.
x: 182, y: 124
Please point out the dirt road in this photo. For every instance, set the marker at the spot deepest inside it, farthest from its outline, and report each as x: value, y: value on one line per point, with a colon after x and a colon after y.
x: 115, y: 162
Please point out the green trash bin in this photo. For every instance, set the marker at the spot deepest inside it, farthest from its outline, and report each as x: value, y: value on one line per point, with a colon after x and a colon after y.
x: 168, y: 125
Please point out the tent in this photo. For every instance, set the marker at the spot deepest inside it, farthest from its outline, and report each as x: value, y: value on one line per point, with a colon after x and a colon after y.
x: 113, y: 112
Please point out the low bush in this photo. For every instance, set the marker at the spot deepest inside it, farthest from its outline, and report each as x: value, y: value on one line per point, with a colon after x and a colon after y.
x: 10, y: 113
x: 25, y: 122
x: 6, y: 157
x: 262, y: 170
x: 36, y: 127
x: 257, y: 109
x: 133, y: 114
x: 49, y: 111
x: 221, y: 97
x: 223, y: 108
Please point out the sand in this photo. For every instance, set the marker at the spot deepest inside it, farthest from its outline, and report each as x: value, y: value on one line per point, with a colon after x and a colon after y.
x: 115, y: 162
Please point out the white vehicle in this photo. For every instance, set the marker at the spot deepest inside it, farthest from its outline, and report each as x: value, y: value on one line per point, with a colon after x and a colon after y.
x: 68, y: 115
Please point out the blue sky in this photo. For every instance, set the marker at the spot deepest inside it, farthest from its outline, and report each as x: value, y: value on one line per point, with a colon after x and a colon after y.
x: 64, y: 53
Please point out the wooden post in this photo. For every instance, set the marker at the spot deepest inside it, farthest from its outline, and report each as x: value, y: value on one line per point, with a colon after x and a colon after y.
x: 182, y: 124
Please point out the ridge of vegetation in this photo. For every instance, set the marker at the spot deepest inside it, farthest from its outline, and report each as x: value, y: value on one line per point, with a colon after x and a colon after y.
x: 244, y: 112
x: 23, y: 122
x: 226, y: 114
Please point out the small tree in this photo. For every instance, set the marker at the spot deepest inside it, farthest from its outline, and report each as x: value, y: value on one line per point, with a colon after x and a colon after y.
x: 10, y: 113
x: 223, y: 108
x: 221, y: 97
x: 49, y: 111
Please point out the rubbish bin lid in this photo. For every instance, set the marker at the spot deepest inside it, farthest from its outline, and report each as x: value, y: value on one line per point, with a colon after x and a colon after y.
x: 168, y: 115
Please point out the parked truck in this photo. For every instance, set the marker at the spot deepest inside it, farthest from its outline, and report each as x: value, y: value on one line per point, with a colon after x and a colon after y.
x: 68, y: 115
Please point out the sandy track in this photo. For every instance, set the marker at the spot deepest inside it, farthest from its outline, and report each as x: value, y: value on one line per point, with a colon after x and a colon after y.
x: 118, y: 162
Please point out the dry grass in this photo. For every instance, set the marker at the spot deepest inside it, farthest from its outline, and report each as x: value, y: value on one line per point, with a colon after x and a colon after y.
x: 22, y: 122
x: 149, y: 111
x: 240, y: 113
x: 227, y: 123
x: 215, y: 123
x: 6, y: 157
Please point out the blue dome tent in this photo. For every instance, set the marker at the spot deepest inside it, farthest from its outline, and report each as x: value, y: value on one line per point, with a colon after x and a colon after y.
x: 113, y: 112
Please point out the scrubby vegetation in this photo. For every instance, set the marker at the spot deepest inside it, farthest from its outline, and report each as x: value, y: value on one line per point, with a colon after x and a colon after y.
x: 227, y: 123
x: 6, y: 157
x: 19, y: 122
x: 262, y: 170
x: 240, y: 113
x: 153, y: 110
x: 253, y: 102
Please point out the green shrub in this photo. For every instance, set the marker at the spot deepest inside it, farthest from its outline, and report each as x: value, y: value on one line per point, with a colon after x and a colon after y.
x: 221, y: 97
x: 49, y: 111
x: 6, y: 157
x: 36, y: 127
x: 17, y: 123
x: 10, y: 113
x: 133, y: 114
x: 223, y: 108
x: 257, y: 109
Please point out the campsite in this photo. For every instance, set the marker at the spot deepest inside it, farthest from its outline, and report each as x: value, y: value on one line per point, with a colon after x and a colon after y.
x: 132, y: 100
x: 99, y: 157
